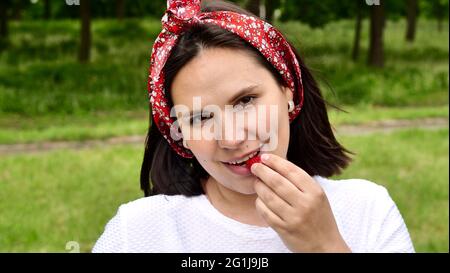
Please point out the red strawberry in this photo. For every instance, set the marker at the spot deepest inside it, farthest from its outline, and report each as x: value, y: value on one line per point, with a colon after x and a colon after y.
x: 253, y: 160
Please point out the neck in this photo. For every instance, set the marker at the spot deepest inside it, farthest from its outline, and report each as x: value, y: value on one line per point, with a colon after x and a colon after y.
x: 240, y: 207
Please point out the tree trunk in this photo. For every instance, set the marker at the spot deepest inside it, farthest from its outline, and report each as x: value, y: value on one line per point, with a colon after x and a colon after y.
x: 411, y: 11
x: 47, y: 9
x: 270, y: 8
x: 357, y: 38
x: 120, y: 9
x: 85, y: 43
x: 376, y: 50
x: 3, y: 20
x: 253, y: 6
x: 17, y: 10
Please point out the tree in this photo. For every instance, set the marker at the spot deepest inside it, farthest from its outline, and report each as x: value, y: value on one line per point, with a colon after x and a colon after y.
x: 17, y: 8
x: 435, y: 9
x: 120, y: 9
x: 411, y: 10
x: 4, y: 6
x: 376, y: 48
x: 47, y: 9
x: 85, y: 43
x: 271, y: 5
x: 356, y: 41
x: 316, y: 13
x: 253, y: 6
x: 439, y: 10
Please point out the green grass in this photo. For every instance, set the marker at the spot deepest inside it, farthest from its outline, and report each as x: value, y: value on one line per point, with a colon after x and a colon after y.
x: 414, y: 74
x: 413, y: 166
x: 39, y: 73
x: 102, y: 125
x: 48, y: 199
x: 361, y: 114
x: 51, y: 198
x: 98, y: 125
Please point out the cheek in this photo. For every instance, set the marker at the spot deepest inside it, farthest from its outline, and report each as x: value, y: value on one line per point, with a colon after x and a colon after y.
x: 275, y: 118
x: 203, y: 150
x: 265, y: 123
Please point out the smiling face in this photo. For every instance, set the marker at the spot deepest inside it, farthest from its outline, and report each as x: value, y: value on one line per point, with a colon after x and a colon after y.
x: 232, y: 78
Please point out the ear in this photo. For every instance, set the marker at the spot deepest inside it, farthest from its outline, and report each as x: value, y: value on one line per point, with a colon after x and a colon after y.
x: 287, y: 93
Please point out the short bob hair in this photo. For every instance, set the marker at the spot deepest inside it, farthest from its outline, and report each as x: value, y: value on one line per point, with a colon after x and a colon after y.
x: 312, y: 145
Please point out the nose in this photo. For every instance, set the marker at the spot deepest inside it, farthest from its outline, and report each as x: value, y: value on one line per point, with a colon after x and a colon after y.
x: 234, y: 133
x: 231, y: 144
x: 233, y: 138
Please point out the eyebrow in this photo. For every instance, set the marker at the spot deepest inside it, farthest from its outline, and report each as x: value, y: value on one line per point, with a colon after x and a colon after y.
x: 238, y: 95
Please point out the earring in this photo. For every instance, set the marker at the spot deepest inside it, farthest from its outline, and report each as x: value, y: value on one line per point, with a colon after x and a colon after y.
x: 291, y: 106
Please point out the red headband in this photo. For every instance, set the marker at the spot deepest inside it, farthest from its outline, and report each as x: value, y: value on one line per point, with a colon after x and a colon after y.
x: 179, y: 16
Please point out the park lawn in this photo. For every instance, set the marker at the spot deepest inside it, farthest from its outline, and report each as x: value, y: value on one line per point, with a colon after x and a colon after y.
x: 49, y: 199
x: 413, y: 166
x: 39, y: 73
x: 77, y: 127
x: 415, y: 74
x: 363, y: 114
x: 102, y: 125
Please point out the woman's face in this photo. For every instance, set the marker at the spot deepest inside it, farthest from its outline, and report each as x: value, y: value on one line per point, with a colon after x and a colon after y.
x: 231, y: 80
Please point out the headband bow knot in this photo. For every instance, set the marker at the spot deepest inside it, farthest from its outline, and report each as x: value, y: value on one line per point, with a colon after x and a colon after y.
x: 181, y: 14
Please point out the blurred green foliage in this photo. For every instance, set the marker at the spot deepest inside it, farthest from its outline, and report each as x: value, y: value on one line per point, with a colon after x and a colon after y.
x: 46, y: 95
x: 413, y: 166
x: 318, y: 13
x: 312, y: 12
x: 39, y: 72
x: 99, y: 8
x: 51, y: 198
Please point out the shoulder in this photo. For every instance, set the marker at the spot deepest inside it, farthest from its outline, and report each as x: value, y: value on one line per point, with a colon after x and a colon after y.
x: 154, y: 203
x: 360, y: 189
x: 140, y: 224
x: 357, y: 198
x: 366, y: 215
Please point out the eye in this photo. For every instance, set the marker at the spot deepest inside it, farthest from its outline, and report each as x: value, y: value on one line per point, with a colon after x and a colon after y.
x: 199, y: 118
x: 246, y: 100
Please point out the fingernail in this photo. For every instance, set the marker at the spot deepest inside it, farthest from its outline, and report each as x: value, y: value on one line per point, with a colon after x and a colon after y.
x: 252, y: 168
x: 264, y: 157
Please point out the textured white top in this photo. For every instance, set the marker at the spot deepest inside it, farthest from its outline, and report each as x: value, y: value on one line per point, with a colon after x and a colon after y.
x: 367, y: 217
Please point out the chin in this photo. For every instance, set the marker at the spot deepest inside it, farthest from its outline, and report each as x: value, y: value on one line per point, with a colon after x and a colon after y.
x: 246, y: 188
x: 244, y: 191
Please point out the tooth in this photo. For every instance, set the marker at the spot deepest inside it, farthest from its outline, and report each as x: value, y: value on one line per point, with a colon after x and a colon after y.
x: 244, y: 159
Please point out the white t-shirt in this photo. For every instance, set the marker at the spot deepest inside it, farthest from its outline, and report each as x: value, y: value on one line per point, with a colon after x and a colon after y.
x: 367, y: 218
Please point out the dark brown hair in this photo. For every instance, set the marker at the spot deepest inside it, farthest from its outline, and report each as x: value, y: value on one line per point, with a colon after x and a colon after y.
x: 312, y: 145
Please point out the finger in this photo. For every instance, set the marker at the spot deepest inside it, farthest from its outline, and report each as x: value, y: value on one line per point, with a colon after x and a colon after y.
x: 289, y: 170
x: 279, y: 206
x: 269, y: 216
x: 277, y: 183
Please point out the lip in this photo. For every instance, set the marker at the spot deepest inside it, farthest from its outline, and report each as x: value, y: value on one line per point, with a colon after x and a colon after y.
x: 241, y: 170
x: 242, y: 156
x: 238, y: 169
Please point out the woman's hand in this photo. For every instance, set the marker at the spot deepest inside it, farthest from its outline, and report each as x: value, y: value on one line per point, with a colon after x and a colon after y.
x: 296, y: 207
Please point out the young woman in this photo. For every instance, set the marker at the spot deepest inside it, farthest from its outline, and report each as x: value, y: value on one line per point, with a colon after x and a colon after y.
x: 211, y: 191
